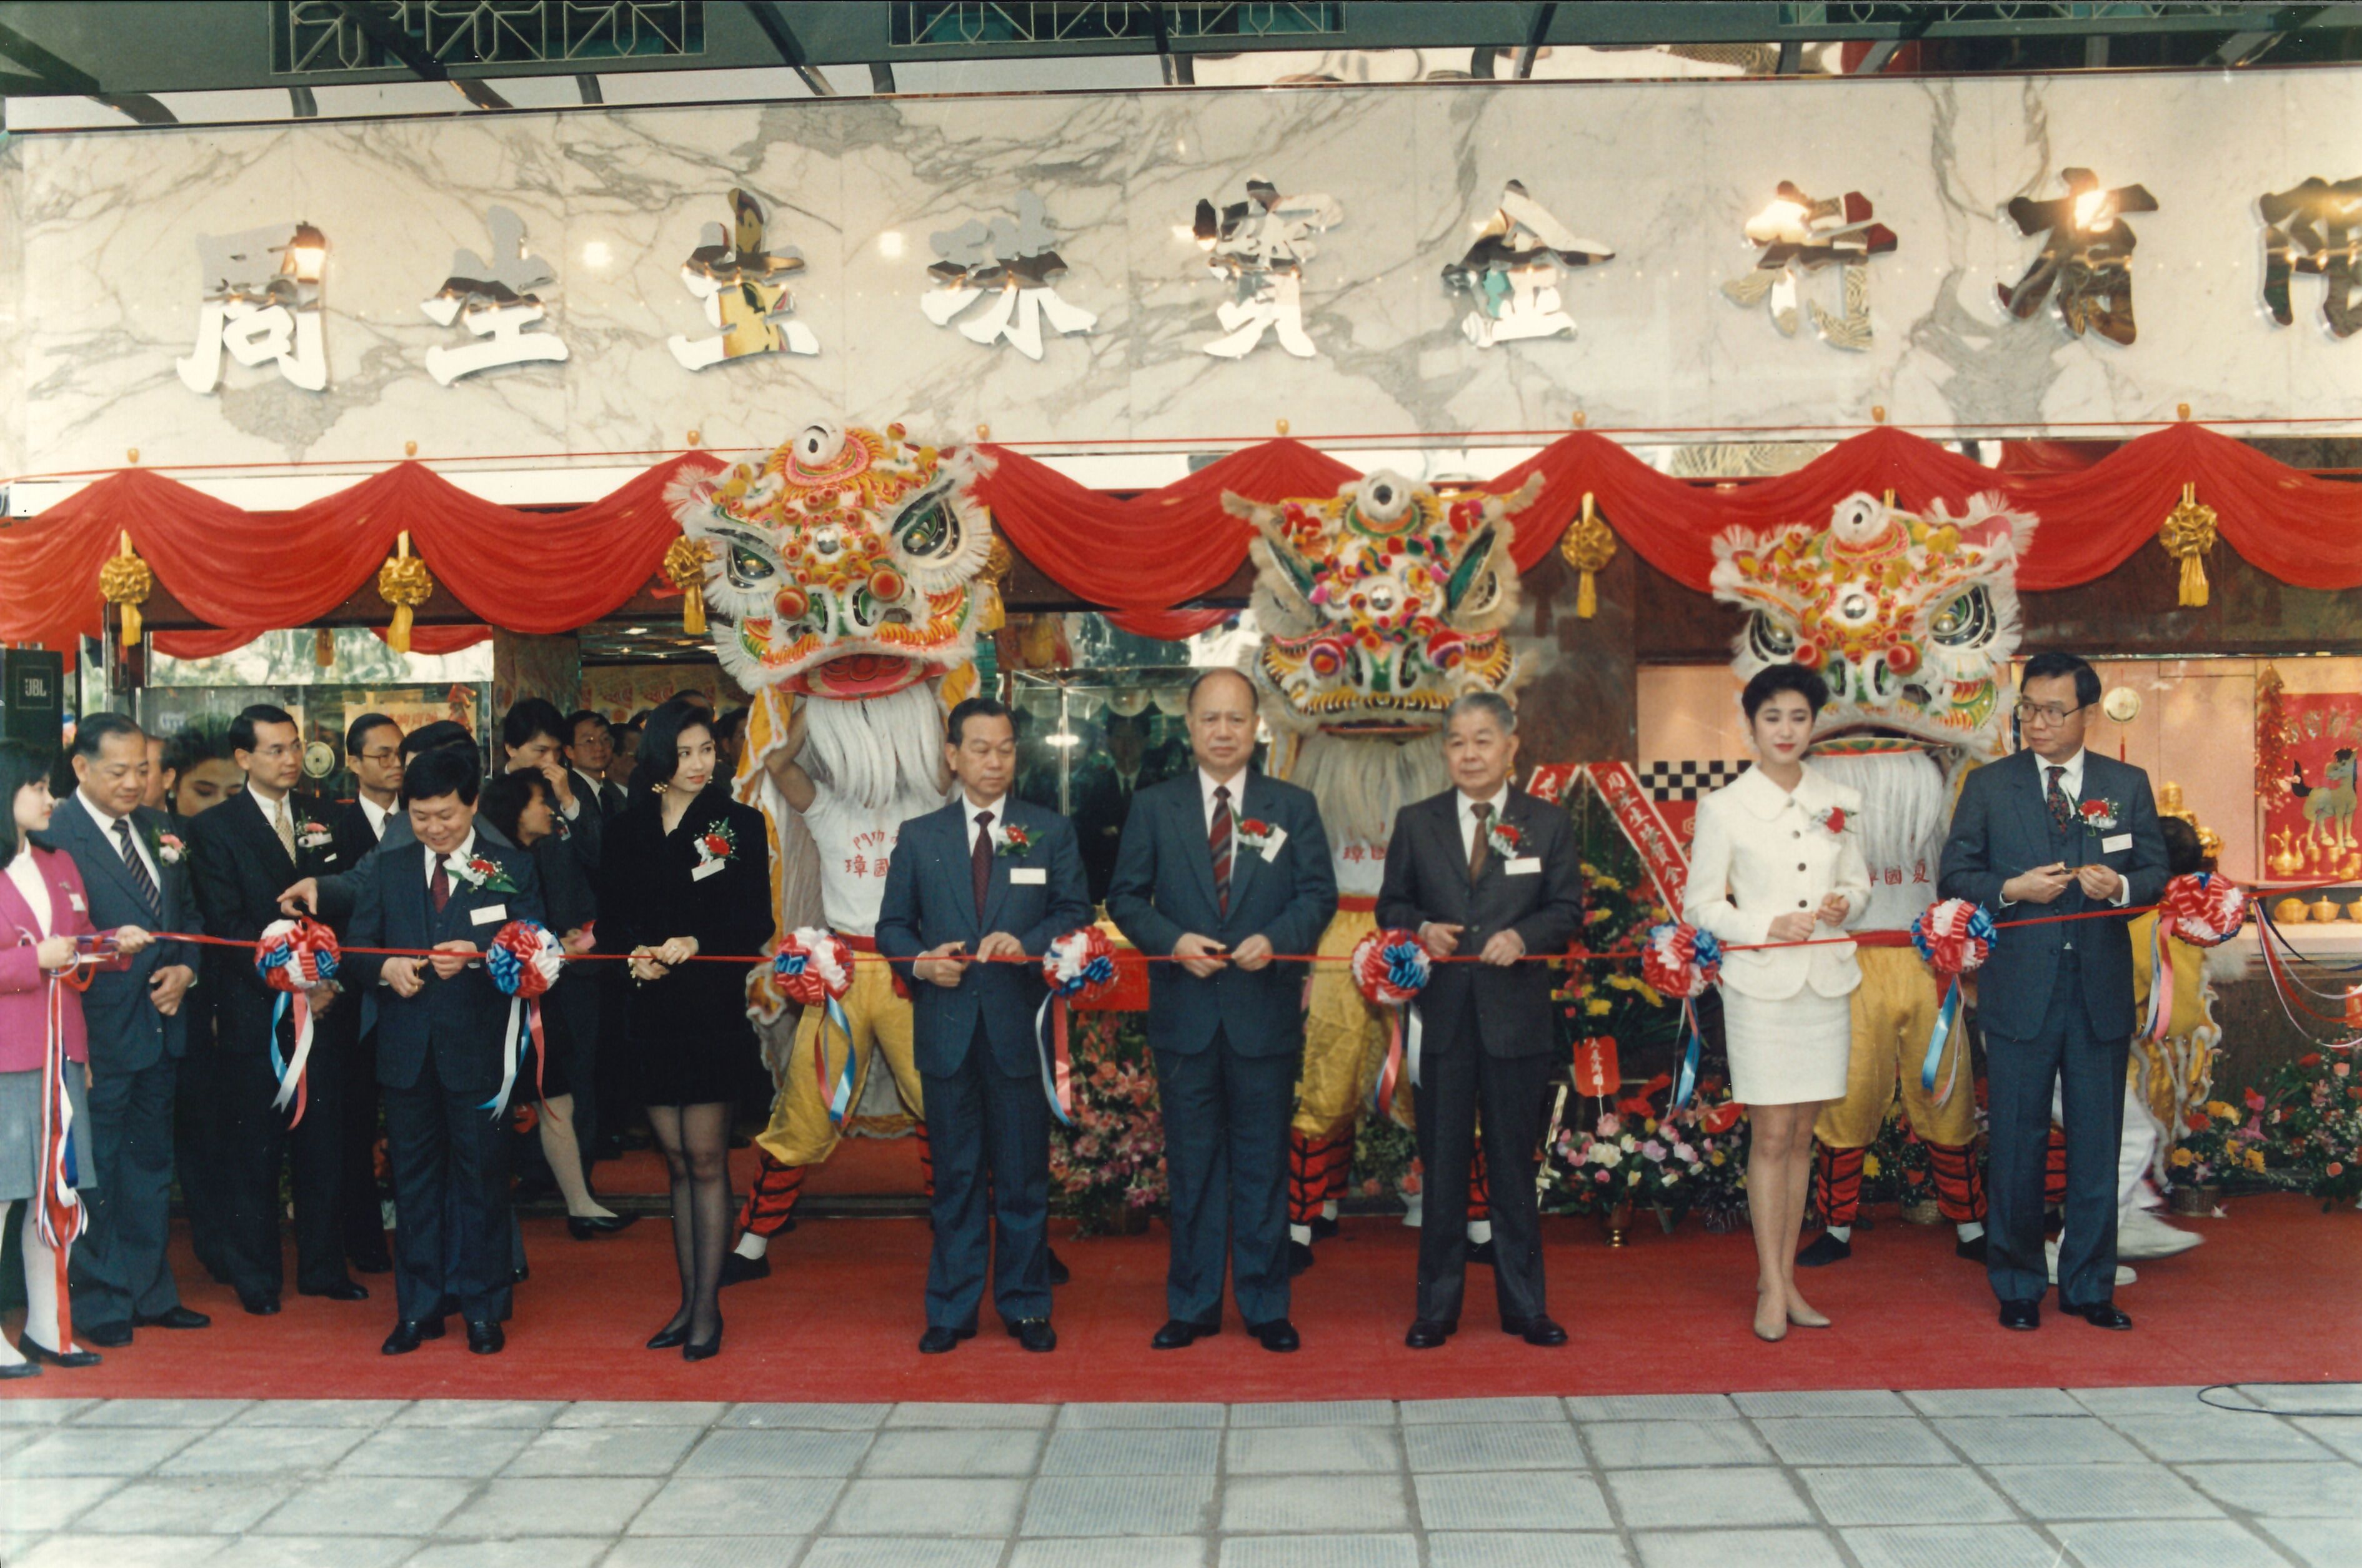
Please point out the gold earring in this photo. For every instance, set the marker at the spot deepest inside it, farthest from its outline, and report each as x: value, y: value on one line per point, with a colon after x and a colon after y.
x: 658, y: 788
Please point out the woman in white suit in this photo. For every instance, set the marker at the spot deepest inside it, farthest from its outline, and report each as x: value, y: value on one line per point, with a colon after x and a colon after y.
x: 1777, y: 858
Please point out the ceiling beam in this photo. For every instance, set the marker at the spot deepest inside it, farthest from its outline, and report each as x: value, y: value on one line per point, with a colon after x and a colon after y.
x: 52, y: 75
x: 416, y: 60
x: 792, y: 50
x: 1880, y: 51
x: 1535, y: 36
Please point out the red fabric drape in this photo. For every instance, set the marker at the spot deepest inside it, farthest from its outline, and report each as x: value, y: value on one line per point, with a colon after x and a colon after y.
x: 1168, y: 625
x: 209, y: 644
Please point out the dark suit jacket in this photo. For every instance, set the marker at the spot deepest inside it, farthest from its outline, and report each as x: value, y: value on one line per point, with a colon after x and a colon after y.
x: 462, y: 1020
x: 127, y: 1032
x: 1164, y: 889
x: 2002, y: 827
x: 240, y: 872
x: 584, y: 832
x: 1427, y: 879
x: 929, y: 899
x: 611, y: 799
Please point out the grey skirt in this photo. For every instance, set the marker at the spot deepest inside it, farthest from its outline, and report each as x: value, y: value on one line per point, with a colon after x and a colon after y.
x: 20, y: 1132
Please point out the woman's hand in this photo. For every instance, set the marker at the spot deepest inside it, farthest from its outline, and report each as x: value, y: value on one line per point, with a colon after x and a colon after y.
x: 129, y: 940
x: 1793, y: 927
x: 677, y: 952
x: 578, y: 942
x: 1835, y: 907
x: 645, y: 966
x: 55, y: 953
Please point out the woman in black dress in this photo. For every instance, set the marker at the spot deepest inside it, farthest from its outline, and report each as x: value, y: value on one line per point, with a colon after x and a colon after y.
x: 687, y: 870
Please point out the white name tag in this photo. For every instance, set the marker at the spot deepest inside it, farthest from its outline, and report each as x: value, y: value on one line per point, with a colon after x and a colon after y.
x: 1523, y: 865
x: 1273, y: 844
x: 488, y: 914
x: 1028, y: 876
x: 700, y: 872
x: 75, y: 899
x: 2110, y: 844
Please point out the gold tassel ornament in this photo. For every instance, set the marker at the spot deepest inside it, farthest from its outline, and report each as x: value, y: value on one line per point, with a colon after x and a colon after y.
x: 684, y: 567
x: 997, y: 562
x: 1588, y: 547
x: 2187, y: 534
x: 403, y: 583
x: 124, y: 582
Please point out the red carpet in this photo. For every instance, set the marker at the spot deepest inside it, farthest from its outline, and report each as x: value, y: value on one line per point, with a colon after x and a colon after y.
x: 2268, y: 1298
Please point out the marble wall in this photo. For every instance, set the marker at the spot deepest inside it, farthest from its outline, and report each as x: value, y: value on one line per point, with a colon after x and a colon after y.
x: 99, y: 286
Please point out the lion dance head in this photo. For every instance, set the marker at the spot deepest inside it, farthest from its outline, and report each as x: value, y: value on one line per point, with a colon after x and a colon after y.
x: 1912, y: 619
x: 1379, y: 606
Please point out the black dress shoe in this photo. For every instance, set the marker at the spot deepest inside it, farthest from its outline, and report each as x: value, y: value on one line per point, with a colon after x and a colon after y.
x: 1323, y: 1227
x: 1426, y: 1333
x: 670, y: 1337
x: 597, y: 1225
x: 107, y: 1336
x: 261, y: 1303
x: 1825, y: 1250
x: 37, y: 1352
x: 371, y: 1263
x: 1481, y: 1254
x: 1034, y: 1334
x: 1179, y: 1332
x: 485, y: 1338
x: 1299, y: 1259
x: 1971, y: 1250
x: 409, y: 1334
x: 173, y: 1318
x: 703, y: 1350
x: 737, y: 1270
x: 1059, y: 1274
x: 342, y: 1290
x: 1278, y: 1335
x: 2021, y: 1314
x: 19, y: 1369
x: 937, y: 1339
x: 2101, y: 1315
x: 1542, y: 1331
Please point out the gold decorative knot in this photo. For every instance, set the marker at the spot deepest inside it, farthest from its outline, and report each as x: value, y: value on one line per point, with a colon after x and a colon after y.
x: 404, y: 583
x: 1588, y: 547
x: 684, y: 567
x: 124, y: 582
x: 2187, y: 534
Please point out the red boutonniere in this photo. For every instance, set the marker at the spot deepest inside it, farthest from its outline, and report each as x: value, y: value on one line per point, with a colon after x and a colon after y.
x: 718, y: 842
x: 2098, y: 814
x: 1010, y: 840
x: 1502, y: 839
x: 1834, y: 820
x: 1253, y: 832
x: 311, y: 835
x: 168, y: 849
x: 485, y: 876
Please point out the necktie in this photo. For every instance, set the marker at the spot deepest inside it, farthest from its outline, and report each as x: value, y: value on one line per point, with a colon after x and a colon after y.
x: 979, y: 861
x: 138, y: 868
x: 286, y: 827
x: 1217, y: 840
x: 1477, y: 849
x: 2062, y: 811
x: 440, y: 885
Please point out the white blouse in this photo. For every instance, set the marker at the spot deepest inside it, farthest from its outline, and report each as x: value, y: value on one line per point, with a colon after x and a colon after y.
x: 34, y: 888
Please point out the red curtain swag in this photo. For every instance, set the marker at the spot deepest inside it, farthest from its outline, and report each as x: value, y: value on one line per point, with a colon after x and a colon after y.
x: 210, y: 644
x: 1136, y: 556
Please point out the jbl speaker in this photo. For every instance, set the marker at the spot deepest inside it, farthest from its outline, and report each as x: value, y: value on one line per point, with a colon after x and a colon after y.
x: 33, y: 689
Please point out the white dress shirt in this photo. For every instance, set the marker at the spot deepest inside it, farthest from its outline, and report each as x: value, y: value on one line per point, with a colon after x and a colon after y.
x: 1468, y: 818
x: 106, y: 820
x: 377, y: 814
x: 970, y: 809
x: 453, y: 861
x: 1236, y: 784
x: 34, y: 887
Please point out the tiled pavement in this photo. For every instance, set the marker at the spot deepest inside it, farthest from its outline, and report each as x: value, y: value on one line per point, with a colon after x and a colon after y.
x: 1995, y: 1478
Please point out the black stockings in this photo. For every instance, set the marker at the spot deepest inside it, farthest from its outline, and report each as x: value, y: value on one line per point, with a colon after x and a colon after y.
x: 696, y: 1143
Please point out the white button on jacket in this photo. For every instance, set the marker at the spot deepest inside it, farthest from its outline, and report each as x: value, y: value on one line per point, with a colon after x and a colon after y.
x: 1761, y: 851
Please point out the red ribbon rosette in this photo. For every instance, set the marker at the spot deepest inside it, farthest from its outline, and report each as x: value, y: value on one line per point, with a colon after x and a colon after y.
x: 813, y: 968
x: 294, y: 957
x: 1955, y: 936
x: 2203, y: 908
x: 1391, y: 968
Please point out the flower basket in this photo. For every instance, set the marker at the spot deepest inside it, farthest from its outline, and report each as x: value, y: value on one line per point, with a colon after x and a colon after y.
x: 1616, y: 1220
x: 2197, y: 1201
x: 1108, y: 1168
x: 1923, y: 1211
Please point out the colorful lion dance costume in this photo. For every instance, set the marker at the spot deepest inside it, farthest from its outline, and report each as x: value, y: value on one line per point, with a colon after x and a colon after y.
x: 846, y: 577
x: 1378, y: 606
x: 1912, y: 619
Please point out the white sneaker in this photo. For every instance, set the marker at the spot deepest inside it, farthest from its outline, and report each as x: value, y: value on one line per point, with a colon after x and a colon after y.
x: 2050, y: 1250
x: 2140, y: 1233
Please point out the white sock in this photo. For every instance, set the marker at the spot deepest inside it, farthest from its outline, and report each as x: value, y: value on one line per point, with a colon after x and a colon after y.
x: 752, y: 1247
x: 40, y: 1289
x: 1328, y: 1209
x: 1300, y: 1235
x: 1969, y: 1229
x: 1479, y: 1231
x: 1842, y: 1233
x: 1413, y: 1207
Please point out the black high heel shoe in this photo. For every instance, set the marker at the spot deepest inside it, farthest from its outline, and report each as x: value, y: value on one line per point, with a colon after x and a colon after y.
x: 672, y: 1337
x: 584, y: 1228
x: 37, y: 1353
x: 705, y: 1352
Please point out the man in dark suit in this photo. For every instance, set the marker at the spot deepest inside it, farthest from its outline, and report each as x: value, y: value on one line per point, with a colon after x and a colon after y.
x: 373, y: 753
x: 533, y: 740
x: 2054, y: 830
x: 592, y: 747
x: 1220, y: 868
x: 441, y: 1022
x: 245, y: 851
x: 988, y: 877
x: 1486, y: 871
x: 134, y: 870
x: 1104, y: 798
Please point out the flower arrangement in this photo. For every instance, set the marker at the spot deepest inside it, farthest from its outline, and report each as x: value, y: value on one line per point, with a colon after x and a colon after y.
x: 1108, y: 1168
x: 1670, y: 1160
x: 2218, y: 1142
x: 1613, y: 998
x: 1897, y: 1166
x: 2316, y: 1121
x: 484, y: 875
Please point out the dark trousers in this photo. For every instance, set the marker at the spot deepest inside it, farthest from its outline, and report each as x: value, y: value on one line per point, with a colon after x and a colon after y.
x: 254, y: 1140
x: 2090, y: 1074
x: 1226, y: 1120
x: 990, y: 1133
x: 1461, y: 1087
x: 451, y: 1227
x: 196, y: 1146
x: 119, y: 1265
x: 575, y: 999
x: 364, y: 1217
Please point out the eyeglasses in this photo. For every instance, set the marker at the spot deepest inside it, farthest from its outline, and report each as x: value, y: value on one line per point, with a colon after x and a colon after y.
x: 2046, y: 713
x: 380, y: 753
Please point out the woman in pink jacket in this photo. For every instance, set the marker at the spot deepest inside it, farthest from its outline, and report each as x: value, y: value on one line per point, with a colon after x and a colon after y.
x: 43, y: 912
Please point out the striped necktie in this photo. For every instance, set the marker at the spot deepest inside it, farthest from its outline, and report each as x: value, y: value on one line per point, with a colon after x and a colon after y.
x: 1218, y: 840
x: 138, y: 868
